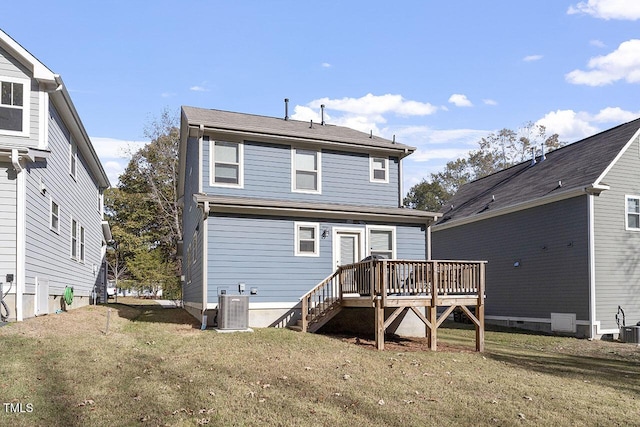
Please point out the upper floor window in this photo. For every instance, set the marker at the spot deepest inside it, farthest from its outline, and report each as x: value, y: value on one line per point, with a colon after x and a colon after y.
x: 14, y: 106
x: 379, y: 169
x: 74, y: 239
x: 54, y: 215
x: 226, y: 163
x: 382, y: 241
x: 306, y: 177
x: 73, y: 158
x: 633, y: 213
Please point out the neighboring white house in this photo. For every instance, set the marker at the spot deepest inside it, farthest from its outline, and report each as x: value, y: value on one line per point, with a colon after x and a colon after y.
x: 52, y: 234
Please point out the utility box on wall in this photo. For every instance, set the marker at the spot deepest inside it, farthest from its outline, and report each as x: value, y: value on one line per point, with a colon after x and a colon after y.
x: 630, y: 334
x: 233, y: 311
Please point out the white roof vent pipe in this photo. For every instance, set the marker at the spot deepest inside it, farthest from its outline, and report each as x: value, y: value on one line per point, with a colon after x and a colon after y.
x: 533, y: 156
x: 543, y: 157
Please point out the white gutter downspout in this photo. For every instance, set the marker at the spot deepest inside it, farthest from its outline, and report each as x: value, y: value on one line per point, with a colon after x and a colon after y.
x: 20, y: 234
x: 592, y: 268
x: 205, y: 254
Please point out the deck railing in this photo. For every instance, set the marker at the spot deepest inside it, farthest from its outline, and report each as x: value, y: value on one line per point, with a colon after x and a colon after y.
x: 391, y: 277
x: 407, y: 277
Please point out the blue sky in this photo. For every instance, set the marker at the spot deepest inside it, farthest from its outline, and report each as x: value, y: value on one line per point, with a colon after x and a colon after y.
x: 437, y: 75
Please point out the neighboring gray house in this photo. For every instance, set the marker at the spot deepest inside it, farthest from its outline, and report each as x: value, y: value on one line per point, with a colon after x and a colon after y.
x: 278, y: 204
x: 51, y: 183
x: 562, y: 236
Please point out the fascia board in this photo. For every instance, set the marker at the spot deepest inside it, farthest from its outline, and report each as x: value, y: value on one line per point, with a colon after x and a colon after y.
x: 574, y: 192
x: 636, y: 136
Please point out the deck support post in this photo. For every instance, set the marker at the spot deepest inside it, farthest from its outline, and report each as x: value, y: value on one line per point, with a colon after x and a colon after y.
x: 379, y: 319
x: 480, y: 311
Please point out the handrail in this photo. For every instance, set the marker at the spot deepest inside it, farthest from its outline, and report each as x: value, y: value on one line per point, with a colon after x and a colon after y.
x: 325, y: 294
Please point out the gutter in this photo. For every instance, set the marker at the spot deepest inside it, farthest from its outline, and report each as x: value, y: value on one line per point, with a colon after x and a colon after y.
x: 593, y: 189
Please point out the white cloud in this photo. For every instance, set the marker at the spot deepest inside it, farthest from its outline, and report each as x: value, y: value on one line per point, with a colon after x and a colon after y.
x: 597, y: 43
x: 198, y: 89
x: 572, y: 126
x: 615, y: 115
x: 608, y: 9
x: 167, y: 94
x: 325, y: 65
x: 569, y: 125
x: 621, y: 64
x: 490, y: 102
x: 365, y: 114
x: 376, y: 105
x: 460, y: 100
x: 531, y: 58
x: 115, y: 155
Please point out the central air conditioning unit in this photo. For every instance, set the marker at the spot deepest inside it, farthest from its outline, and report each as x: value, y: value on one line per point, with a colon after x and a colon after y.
x: 233, y: 312
x: 630, y: 334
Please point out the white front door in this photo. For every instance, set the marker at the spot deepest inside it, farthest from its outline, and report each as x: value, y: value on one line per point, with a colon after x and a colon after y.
x: 347, y: 246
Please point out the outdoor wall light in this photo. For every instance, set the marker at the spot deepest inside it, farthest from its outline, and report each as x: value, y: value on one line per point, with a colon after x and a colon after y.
x: 254, y: 291
x: 325, y: 233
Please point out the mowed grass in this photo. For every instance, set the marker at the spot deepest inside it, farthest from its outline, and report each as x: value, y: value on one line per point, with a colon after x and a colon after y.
x: 155, y: 367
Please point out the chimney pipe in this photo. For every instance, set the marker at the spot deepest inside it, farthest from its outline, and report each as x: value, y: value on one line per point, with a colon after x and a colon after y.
x: 322, y: 108
x: 286, y: 108
x: 311, y: 125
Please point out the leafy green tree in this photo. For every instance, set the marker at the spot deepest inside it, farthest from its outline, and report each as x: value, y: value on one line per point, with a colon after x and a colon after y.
x: 496, y: 151
x: 144, y: 213
x: 426, y: 196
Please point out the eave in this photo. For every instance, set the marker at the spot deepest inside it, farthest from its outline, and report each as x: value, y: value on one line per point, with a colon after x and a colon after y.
x: 251, y: 206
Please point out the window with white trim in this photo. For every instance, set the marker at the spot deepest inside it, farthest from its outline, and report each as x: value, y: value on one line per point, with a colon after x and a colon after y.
x: 74, y: 239
x: 54, y: 216
x: 82, y: 244
x: 306, y: 239
x: 306, y: 167
x: 73, y: 158
x: 379, y: 169
x: 14, y: 106
x: 633, y: 213
x: 382, y: 241
x: 226, y: 166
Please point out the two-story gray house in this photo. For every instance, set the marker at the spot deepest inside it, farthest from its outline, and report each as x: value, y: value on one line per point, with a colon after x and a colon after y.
x: 277, y: 204
x: 561, y: 234
x: 51, y: 183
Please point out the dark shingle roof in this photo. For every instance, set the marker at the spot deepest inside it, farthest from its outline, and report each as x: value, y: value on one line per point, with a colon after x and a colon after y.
x: 278, y: 127
x: 576, y: 166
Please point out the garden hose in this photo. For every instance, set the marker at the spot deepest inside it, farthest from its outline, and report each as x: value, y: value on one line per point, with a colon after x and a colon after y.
x: 68, y: 295
x: 4, y: 309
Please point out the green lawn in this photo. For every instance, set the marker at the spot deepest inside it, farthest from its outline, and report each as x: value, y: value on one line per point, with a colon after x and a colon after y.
x: 155, y: 367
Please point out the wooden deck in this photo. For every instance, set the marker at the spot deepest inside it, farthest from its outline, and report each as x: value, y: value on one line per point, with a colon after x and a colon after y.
x: 403, y: 285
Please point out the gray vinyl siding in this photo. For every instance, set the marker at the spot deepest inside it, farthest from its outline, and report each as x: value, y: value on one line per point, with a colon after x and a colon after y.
x: 7, y: 221
x: 48, y: 254
x: 344, y: 177
x: 551, y: 244
x: 10, y: 67
x: 192, y: 218
x: 617, y: 250
x: 259, y: 252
